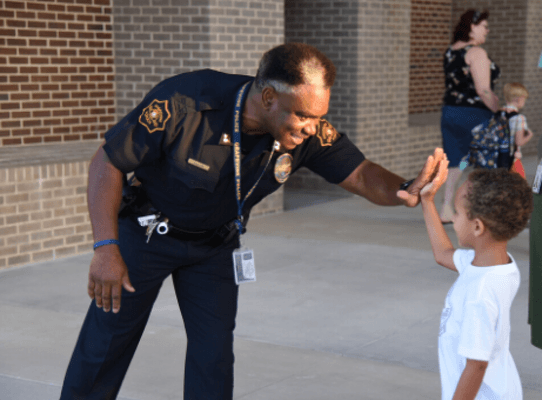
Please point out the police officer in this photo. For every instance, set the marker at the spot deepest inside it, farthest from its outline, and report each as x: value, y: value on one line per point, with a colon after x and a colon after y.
x: 204, y: 148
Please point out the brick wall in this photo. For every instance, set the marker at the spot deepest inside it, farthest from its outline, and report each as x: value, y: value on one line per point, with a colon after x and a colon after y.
x: 57, y: 70
x: 429, y: 38
x: 43, y: 213
x: 59, y: 85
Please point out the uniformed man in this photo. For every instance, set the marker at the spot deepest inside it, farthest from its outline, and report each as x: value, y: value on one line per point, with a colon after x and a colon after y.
x: 205, y: 147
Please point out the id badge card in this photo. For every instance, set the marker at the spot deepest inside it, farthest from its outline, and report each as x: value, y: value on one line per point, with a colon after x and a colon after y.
x: 243, y: 266
x: 537, y: 179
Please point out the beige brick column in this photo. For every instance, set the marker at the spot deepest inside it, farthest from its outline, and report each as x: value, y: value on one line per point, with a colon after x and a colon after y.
x: 43, y: 212
x: 156, y: 40
x: 369, y: 42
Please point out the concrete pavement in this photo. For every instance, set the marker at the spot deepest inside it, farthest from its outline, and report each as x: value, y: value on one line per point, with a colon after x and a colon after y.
x: 346, y: 306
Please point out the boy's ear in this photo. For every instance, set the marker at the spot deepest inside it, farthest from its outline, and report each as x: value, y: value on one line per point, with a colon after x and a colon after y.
x: 479, y: 227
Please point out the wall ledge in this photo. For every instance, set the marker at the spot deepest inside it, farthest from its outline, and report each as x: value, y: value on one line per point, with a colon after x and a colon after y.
x: 58, y: 153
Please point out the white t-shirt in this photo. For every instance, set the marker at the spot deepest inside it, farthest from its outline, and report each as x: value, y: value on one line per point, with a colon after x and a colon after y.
x: 515, y: 123
x: 475, y: 324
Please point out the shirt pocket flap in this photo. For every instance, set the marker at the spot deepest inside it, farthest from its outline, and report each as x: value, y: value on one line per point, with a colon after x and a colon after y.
x: 202, y: 172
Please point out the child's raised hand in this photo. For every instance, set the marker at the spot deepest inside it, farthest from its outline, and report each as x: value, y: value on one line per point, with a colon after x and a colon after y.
x: 411, y: 196
x: 429, y: 191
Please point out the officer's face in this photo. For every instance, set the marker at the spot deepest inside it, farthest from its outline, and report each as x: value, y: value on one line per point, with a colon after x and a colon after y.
x: 293, y: 117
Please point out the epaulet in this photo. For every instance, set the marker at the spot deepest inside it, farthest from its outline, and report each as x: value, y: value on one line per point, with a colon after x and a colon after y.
x: 326, y: 133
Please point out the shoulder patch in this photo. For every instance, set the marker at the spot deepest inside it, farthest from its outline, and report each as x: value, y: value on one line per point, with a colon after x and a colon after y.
x: 155, y: 116
x: 326, y: 133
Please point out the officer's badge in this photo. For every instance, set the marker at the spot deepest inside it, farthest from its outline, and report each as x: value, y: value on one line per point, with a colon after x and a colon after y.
x: 326, y: 133
x: 225, y: 140
x: 155, y: 116
x: 283, y: 167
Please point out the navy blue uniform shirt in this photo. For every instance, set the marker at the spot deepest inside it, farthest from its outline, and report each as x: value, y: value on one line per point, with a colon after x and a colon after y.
x: 173, y: 141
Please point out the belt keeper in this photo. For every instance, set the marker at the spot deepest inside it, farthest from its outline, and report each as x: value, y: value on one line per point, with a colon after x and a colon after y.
x: 106, y: 242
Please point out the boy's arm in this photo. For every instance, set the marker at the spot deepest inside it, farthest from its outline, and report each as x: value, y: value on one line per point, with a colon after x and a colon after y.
x: 523, y: 136
x: 471, y: 380
x: 443, y: 249
x: 518, y: 127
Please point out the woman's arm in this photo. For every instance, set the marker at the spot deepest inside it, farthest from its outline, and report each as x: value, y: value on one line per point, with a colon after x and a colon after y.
x: 480, y: 69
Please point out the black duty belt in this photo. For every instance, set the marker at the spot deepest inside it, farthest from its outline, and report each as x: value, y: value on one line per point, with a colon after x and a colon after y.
x: 162, y: 226
x: 219, y: 235
x: 137, y: 205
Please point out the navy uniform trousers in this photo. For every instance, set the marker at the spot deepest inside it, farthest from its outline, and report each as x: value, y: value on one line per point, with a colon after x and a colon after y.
x: 207, y: 297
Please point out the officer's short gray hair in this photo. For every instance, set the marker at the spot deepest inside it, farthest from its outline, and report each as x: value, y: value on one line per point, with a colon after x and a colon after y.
x: 286, y: 66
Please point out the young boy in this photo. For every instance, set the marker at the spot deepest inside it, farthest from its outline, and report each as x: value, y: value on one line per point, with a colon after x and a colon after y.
x: 492, y: 207
x: 515, y: 95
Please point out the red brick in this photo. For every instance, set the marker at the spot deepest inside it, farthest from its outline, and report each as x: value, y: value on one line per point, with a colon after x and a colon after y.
x: 32, y: 140
x: 46, y: 15
x: 11, y: 124
x: 37, y: 24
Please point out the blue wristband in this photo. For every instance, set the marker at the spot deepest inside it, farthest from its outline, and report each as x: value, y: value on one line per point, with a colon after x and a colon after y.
x: 106, y: 242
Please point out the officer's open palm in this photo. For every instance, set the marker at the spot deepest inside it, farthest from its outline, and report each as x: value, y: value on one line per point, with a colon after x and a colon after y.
x: 107, y: 276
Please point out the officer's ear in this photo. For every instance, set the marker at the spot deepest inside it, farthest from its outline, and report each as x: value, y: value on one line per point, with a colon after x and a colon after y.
x: 269, y: 96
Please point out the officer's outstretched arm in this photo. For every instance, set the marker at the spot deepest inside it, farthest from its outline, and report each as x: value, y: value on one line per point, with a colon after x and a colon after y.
x: 381, y: 186
x: 108, y: 272
x: 375, y: 183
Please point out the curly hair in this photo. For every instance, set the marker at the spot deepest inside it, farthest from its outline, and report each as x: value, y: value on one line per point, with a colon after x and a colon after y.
x: 284, y: 66
x: 501, y: 199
